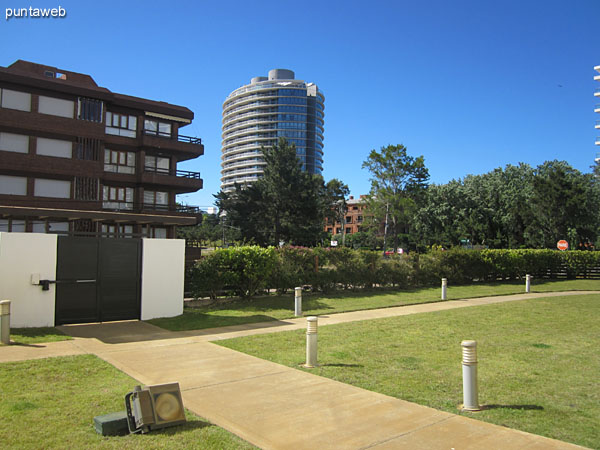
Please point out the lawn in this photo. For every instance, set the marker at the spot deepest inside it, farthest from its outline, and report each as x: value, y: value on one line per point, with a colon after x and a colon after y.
x: 51, y: 403
x: 262, y: 309
x: 37, y: 335
x: 539, y: 361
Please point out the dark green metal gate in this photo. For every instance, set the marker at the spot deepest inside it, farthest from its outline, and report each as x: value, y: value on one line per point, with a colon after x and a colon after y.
x: 97, y: 279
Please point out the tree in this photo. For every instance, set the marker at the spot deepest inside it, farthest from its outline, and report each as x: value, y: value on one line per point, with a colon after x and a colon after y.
x: 596, y: 167
x: 398, y: 183
x: 563, y: 199
x: 209, y: 231
x: 514, y: 207
x: 286, y: 204
x: 335, y: 197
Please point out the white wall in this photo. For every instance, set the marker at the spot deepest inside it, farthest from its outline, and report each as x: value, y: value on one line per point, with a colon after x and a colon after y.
x: 163, y: 265
x: 22, y: 254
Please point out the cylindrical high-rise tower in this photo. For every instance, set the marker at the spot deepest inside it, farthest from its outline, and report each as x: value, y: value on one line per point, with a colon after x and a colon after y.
x: 261, y: 112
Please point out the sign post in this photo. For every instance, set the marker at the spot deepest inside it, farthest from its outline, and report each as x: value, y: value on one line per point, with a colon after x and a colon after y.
x: 562, y: 245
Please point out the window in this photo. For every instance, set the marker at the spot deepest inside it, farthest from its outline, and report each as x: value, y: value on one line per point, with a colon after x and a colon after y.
x: 119, y: 162
x: 54, y: 147
x: 52, y: 188
x: 338, y: 230
x: 88, y: 149
x: 13, y: 185
x: 348, y: 219
x: 158, y: 233
x: 359, y: 219
x: 49, y: 227
x: 117, y: 230
x: 156, y: 200
x: 17, y: 143
x: 12, y: 225
x: 57, y: 75
x: 121, y: 124
x: 89, y: 109
x: 15, y: 100
x: 86, y: 188
x: 157, y: 164
x: 117, y: 197
x: 348, y: 230
x: 56, y: 107
x: 156, y: 128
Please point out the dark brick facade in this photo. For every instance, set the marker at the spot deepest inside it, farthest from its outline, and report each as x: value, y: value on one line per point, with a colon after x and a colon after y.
x: 87, y: 207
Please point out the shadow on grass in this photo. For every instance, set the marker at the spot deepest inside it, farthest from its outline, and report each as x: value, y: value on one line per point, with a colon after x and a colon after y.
x: 190, y: 425
x: 266, y: 303
x: 170, y: 328
x: 519, y: 407
x: 341, y: 365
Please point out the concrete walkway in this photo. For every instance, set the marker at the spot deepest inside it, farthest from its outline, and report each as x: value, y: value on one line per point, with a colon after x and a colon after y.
x: 277, y: 407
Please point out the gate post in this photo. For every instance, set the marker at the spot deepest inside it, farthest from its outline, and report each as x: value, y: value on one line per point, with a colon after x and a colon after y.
x: 5, y: 322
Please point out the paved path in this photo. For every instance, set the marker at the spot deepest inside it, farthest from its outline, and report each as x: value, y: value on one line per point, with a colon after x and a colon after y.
x: 277, y: 407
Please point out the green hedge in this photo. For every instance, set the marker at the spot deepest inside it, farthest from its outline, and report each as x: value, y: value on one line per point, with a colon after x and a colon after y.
x: 245, y: 271
x: 242, y: 271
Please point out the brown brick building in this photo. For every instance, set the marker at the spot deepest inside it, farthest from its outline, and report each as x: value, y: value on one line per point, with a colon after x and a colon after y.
x: 355, y: 215
x: 77, y: 157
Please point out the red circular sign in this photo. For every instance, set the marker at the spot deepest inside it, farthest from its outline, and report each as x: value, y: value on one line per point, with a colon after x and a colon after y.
x: 562, y: 245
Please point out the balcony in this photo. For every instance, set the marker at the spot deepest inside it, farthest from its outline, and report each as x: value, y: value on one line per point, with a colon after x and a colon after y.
x: 187, y: 146
x: 178, y: 180
x: 98, y: 210
x: 597, y: 92
x: 597, y: 124
x: 153, y: 208
x: 597, y: 108
x: 598, y: 141
x: 189, y: 139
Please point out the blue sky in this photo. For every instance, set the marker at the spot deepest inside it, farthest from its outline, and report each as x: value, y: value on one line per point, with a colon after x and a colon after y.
x: 471, y: 85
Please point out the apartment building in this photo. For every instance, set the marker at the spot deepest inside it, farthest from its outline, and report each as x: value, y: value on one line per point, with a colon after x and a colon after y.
x: 76, y: 157
x: 597, y: 109
x: 258, y: 114
x: 353, y: 219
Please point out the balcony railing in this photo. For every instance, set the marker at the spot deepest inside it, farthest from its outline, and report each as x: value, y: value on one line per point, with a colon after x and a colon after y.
x: 173, y: 173
x: 137, y: 207
x: 189, y: 139
x: 188, y: 209
x: 180, y: 137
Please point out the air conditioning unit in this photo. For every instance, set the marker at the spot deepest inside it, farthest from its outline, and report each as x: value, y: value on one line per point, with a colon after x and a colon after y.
x: 154, y: 407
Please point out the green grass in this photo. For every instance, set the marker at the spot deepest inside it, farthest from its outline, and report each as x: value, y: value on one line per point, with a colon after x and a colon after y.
x: 37, y: 335
x: 262, y: 309
x: 539, y: 361
x: 51, y: 403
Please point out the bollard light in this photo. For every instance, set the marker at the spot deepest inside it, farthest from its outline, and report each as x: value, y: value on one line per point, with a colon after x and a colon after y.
x: 527, y: 284
x: 444, y: 288
x: 5, y: 321
x: 298, y: 301
x: 311, y: 342
x: 469, y: 369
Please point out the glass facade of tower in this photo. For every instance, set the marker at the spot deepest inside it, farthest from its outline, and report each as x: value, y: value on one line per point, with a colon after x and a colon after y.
x: 258, y: 114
